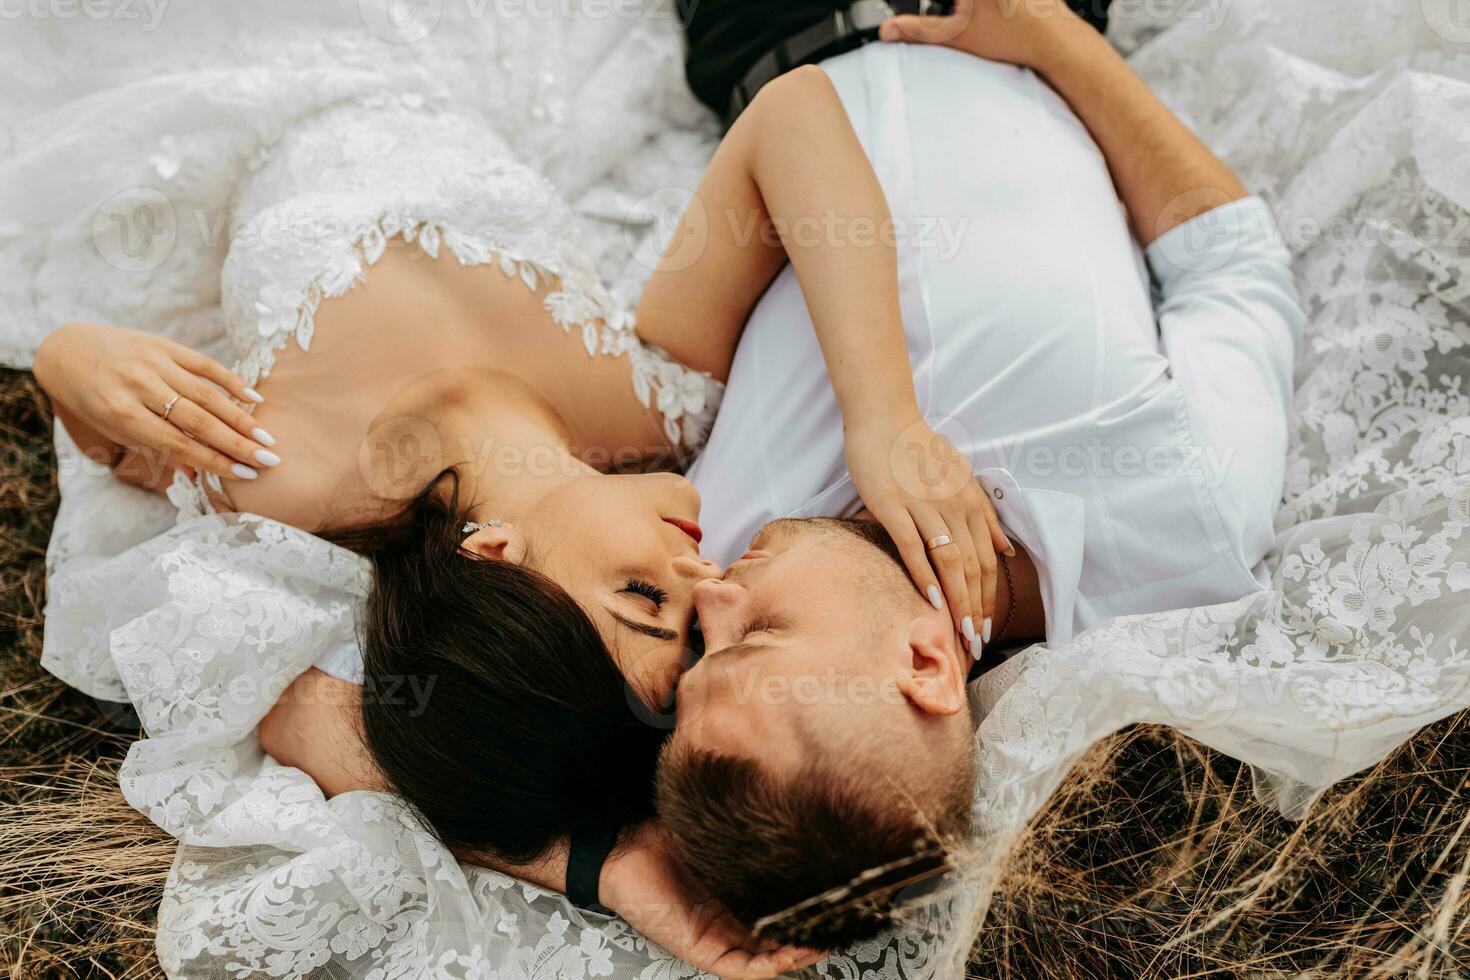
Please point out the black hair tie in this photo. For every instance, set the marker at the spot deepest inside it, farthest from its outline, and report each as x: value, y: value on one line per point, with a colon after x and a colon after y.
x: 586, y: 854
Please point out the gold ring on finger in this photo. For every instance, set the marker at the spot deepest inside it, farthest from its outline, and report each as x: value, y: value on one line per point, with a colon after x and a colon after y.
x: 168, y: 406
x: 938, y: 542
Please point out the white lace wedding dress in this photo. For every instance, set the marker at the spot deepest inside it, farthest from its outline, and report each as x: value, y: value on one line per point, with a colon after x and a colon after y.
x: 1347, y: 118
x: 322, y: 204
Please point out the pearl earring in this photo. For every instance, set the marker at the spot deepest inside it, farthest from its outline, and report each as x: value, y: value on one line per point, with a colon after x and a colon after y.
x: 471, y: 527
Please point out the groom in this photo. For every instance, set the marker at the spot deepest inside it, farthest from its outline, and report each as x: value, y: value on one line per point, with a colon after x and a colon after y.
x: 1134, y: 452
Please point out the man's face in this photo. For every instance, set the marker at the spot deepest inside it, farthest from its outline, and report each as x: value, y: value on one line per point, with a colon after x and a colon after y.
x: 796, y: 643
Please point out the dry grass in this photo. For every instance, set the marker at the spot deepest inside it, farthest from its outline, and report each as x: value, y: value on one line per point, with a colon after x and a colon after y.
x: 80, y: 870
x: 1152, y: 860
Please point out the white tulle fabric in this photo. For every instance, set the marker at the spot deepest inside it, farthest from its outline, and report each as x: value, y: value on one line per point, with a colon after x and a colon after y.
x: 1348, y: 119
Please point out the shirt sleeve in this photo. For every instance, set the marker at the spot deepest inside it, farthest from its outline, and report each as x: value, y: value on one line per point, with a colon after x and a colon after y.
x: 342, y: 661
x: 1225, y: 278
x: 1229, y: 324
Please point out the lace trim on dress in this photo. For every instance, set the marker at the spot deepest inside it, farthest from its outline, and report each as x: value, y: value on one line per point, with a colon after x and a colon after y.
x: 686, y: 399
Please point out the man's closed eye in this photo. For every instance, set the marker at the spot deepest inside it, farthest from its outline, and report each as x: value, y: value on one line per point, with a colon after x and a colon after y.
x: 754, y: 627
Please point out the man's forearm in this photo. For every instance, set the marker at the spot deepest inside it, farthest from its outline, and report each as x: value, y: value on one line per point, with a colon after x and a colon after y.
x: 1163, y: 173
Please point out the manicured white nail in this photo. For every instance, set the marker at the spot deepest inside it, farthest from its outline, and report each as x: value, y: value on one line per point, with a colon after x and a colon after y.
x: 267, y: 458
x: 935, y: 598
x: 1010, y: 551
x: 976, y: 649
x: 263, y: 437
x: 967, y: 627
x: 985, y: 630
x: 242, y: 471
x: 253, y: 395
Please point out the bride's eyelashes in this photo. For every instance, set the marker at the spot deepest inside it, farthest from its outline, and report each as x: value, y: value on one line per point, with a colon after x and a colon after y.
x: 648, y: 590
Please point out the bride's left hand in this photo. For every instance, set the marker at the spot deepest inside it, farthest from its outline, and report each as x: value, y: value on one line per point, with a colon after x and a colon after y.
x: 143, y: 392
x: 921, y: 489
x: 646, y: 885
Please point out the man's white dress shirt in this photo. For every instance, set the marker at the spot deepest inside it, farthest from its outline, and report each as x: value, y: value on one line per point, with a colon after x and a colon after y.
x: 1137, y: 453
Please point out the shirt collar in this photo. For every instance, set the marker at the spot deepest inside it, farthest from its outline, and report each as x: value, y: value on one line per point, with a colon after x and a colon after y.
x: 1050, y: 525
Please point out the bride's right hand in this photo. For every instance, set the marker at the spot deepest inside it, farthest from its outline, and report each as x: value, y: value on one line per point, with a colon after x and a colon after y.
x: 117, y: 382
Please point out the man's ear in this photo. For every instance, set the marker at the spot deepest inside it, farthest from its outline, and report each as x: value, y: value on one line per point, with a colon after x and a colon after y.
x: 504, y: 543
x: 934, y: 680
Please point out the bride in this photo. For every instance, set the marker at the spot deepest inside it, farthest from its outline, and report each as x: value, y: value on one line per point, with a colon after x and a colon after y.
x: 445, y: 387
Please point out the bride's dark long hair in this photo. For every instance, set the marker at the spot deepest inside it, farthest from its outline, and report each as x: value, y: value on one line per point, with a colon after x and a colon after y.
x: 490, y: 701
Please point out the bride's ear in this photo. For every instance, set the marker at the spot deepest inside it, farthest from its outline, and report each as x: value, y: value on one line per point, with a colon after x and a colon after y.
x: 503, y: 542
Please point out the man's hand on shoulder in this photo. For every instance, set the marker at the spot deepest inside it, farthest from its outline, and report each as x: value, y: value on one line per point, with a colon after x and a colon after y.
x: 1020, y: 32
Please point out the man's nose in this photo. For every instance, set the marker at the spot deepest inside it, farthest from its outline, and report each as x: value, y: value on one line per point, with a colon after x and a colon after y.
x: 717, y: 602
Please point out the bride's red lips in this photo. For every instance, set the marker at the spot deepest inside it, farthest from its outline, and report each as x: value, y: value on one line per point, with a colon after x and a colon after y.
x: 688, y: 527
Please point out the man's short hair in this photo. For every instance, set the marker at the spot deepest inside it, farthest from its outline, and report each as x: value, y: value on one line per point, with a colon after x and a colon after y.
x: 814, y: 859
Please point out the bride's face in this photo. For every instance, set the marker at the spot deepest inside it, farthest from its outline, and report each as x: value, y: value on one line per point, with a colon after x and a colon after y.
x: 626, y: 548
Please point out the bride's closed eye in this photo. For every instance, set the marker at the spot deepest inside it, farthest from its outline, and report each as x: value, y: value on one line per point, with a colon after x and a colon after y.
x: 648, y: 590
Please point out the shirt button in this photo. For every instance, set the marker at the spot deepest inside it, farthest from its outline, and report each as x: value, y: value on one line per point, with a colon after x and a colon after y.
x: 999, y: 494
